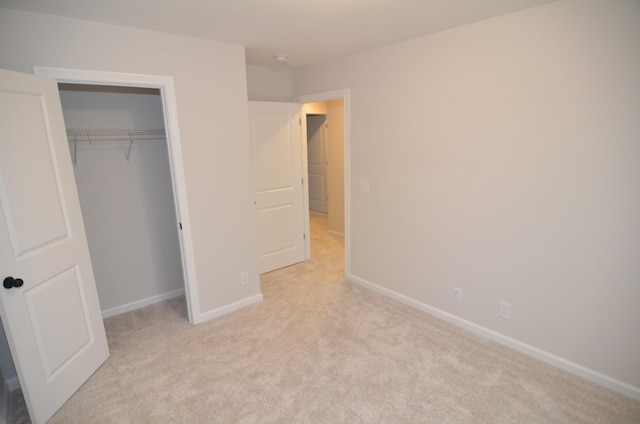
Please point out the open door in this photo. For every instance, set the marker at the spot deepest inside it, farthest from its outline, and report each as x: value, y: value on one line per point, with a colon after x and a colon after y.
x: 276, y: 141
x: 50, y: 309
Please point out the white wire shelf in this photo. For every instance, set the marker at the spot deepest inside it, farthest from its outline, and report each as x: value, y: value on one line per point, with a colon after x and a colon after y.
x: 75, y: 135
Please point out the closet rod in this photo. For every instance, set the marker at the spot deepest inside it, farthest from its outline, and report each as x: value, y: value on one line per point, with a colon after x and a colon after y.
x: 113, y: 134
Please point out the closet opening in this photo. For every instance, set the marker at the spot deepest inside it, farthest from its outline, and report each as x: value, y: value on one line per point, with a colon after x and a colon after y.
x: 119, y: 147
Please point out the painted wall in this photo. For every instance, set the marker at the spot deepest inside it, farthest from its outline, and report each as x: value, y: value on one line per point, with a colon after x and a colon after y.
x: 127, y: 206
x: 269, y: 84
x: 504, y: 159
x: 316, y: 108
x: 335, y: 169
x: 211, y: 94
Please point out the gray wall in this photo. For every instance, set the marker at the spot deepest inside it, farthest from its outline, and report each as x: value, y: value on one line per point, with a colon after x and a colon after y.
x: 128, y: 207
x: 504, y: 158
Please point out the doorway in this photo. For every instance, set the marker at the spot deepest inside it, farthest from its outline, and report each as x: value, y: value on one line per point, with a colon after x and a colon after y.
x: 121, y: 166
x: 163, y: 87
x: 336, y: 106
x: 123, y: 176
x: 169, y: 104
x: 325, y: 161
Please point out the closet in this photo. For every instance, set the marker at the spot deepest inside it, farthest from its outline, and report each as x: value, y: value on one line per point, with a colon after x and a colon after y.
x: 122, y: 170
x: 121, y: 165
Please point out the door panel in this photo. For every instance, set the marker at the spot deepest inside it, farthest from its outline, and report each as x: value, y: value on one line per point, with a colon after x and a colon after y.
x: 317, y: 162
x: 54, y: 304
x: 30, y: 229
x: 277, y: 163
x: 52, y: 322
x: 279, y: 231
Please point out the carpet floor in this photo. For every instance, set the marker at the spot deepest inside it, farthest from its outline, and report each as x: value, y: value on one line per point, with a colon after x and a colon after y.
x: 321, y: 350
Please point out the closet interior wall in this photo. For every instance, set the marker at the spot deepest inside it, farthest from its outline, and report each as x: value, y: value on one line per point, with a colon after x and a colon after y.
x: 127, y: 204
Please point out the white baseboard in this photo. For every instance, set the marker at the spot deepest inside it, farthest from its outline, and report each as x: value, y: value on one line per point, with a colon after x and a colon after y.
x: 227, y: 309
x: 564, y: 364
x: 142, y: 303
x: 335, y: 233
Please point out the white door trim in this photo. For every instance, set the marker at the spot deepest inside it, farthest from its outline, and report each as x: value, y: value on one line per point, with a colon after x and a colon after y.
x: 345, y: 95
x: 167, y: 92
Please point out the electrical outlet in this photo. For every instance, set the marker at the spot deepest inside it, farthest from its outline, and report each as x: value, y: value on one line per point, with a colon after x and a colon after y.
x: 505, y: 310
x: 457, y: 294
x: 244, y: 278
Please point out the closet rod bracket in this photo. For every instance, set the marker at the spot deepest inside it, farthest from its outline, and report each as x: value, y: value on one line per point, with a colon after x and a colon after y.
x: 130, y: 145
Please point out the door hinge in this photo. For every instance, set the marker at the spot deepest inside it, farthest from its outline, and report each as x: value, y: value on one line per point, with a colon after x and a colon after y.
x: 180, y: 225
x: 304, y: 236
x: 300, y: 121
x: 301, y: 181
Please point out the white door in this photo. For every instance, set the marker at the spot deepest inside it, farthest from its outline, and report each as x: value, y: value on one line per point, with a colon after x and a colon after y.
x: 51, y: 315
x: 278, y: 183
x: 317, y: 162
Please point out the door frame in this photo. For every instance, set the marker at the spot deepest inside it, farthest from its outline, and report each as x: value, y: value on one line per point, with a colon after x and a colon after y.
x: 169, y: 105
x: 345, y: 95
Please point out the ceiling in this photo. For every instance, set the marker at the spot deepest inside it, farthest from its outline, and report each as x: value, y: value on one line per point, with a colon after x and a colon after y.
x: 307, y: 31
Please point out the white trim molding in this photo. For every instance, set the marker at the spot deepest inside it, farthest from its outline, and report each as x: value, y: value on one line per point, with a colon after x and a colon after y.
x: 549, y: 358
x: 106, y: 313
x: 232, y: 307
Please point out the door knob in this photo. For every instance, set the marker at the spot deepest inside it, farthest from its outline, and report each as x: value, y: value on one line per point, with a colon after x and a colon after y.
x: 10, y: 282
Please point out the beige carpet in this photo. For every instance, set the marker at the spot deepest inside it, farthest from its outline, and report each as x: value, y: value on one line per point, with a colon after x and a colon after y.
x: 319, y: 350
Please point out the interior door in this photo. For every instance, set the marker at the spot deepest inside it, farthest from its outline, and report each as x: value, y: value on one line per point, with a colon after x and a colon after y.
x: 50, y: 309
x: 278, y: 183
x: 317, y: 162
